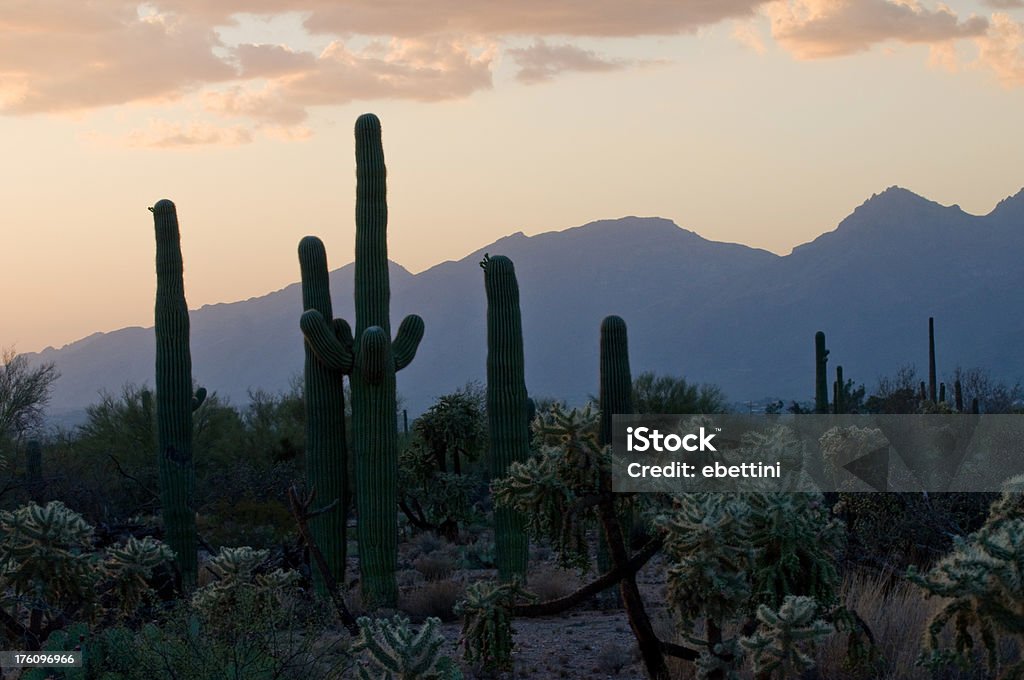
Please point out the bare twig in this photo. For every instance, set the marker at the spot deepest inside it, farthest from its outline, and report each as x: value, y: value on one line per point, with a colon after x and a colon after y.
x: 299, y: 507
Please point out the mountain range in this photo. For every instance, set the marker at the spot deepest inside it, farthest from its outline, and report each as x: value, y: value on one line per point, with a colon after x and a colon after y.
x: 739, y: 317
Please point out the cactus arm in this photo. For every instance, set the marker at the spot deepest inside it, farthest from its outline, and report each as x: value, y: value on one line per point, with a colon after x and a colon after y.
x: 407, y: 341
x: 343, y: 332
x: 323, y: 340
x: 373, y: 354
x: 198, y: 398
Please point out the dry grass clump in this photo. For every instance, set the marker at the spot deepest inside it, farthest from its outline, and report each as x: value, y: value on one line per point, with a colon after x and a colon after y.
x: 433, y: 598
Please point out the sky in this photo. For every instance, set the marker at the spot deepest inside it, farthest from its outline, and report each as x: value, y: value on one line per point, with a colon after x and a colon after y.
x: 763, y: 123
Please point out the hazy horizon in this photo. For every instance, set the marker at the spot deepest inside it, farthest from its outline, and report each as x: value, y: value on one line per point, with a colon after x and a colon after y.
x: 761, y: 123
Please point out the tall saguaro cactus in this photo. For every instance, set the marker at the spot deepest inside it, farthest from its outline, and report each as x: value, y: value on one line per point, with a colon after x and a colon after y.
x: 175, y: 401
x: 324, y: 388
x: 820, y: 373
x: 507, y: 405
x: 616, y: 397
x: 932, y: 394
x: 372, y: 360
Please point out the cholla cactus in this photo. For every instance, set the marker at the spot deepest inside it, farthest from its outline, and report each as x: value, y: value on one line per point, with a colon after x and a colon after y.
x: 546, y: 488
x: 983, y: 581
x: 241, y: 573
x: 45, y: 554
x: 785, y: 638
x: 707, y: 536
x: 487, y: 622
x: 130, y: 566
x: 731, y: 553
x: 394, y: 651
x: 49, y: 569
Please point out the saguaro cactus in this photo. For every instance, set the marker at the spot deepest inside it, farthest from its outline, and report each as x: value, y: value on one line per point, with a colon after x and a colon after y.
x: 373, y: 360
x: 507, y: 405
x: 324, y: 390
x: 820, y: 373
x: 175, y: 401
x: 616, y: 390
x: 616, y: 396
x: 837, y: 400
x: 932, y: 388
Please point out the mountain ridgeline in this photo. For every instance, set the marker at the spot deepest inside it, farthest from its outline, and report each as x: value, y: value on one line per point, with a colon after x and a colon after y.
x: 736, y: 316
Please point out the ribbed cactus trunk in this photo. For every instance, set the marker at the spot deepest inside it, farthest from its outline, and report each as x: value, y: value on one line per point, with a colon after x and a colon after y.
x: 840, y: 407
x: 371, y: 359
x: 932, y: 389
x: 174, y: 398
x: 820, y: 374
x: 324, y: 391
x: 507, y: 405
x: 616, y: 397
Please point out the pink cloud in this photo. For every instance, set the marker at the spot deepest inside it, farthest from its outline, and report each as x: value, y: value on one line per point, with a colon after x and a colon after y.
x: 814, y: 29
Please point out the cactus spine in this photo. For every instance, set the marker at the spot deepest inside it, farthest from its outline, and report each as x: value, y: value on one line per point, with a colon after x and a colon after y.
x: 507, y: 407
x: 372, y: 359
x: 175, y: 401
x: 820, y: 374
x: 326, y: 452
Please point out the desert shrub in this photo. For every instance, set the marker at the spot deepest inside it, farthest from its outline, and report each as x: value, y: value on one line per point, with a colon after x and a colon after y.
x: 892, y: 531
x: 295, y: 643
x: 434, y: 567
x: 550, y: 583
x: 434, y: 599
x: 477, y: 555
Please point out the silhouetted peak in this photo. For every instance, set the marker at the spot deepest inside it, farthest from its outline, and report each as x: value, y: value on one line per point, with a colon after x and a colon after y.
x: 1011, y: 207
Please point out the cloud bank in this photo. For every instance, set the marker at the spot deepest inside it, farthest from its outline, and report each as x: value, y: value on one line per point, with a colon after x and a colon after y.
x: 58, y: 57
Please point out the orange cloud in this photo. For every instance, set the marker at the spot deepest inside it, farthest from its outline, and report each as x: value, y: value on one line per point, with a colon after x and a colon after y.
x: 1002, y: 50
x: 814, y: 29
x: 420, y: 69
x: 413, y: 18
x: 100, y: 55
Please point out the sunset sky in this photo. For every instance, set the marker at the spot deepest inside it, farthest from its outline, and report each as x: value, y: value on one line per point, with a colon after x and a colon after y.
x: 763, y: 123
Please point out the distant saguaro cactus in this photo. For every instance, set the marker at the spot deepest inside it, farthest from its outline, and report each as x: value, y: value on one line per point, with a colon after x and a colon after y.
x: 932, y: 387
x: 820, y: 373
x: 507, y: 405
x: 175, y: 400
x: 324, y: 390
x: 373, y: 359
